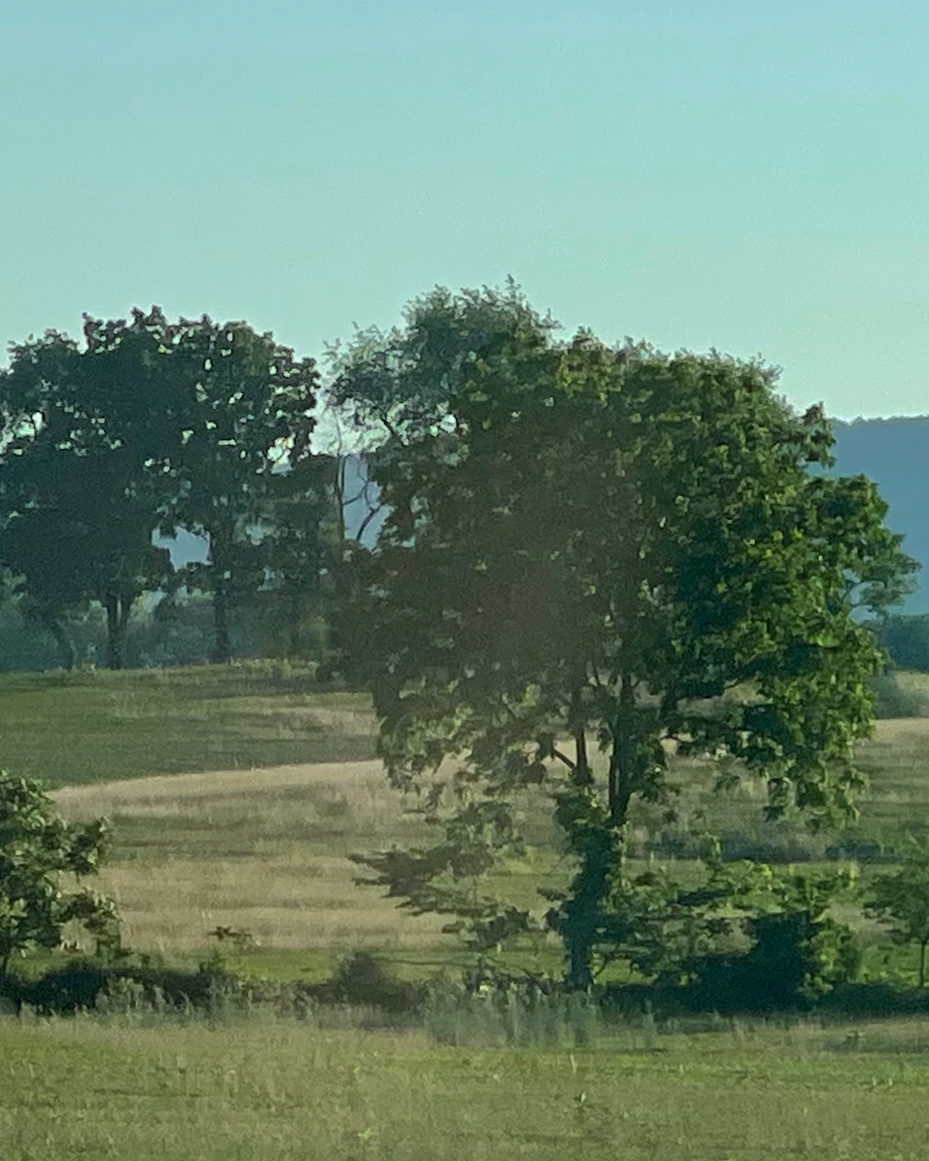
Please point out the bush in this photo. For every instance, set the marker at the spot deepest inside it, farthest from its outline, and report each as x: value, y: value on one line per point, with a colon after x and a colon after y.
x: 877, y: 999
x: 81, y: 986
x: 362, y: 980
x: 795, y: 958
x: 861, y: 849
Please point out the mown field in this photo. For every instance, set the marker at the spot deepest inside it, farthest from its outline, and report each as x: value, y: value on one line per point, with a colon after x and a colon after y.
x: 92, y: 726
x: 236, y: 796
x: 121, y: 1087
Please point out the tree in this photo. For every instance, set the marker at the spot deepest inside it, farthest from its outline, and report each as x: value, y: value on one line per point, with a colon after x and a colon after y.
x: 37, y: 848
x: 302, y: 540
x: 82, y: 430
x: 243, y: 419
x: 901, y: 900
x: 607, y: 545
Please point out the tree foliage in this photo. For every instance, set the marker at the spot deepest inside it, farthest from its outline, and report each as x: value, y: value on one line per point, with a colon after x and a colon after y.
x: 81, y: 430
x: 38, y: 849
x: 147, y: 426
x: 901, y: 900
x: 613, y: 546
x: 243, y: 415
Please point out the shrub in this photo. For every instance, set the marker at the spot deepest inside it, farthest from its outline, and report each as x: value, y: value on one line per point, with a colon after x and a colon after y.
x: 362, y: 980
x: 81, y: 986
x: 38, y: 848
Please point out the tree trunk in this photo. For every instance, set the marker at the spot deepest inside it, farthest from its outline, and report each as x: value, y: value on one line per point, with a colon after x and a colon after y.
x: 579, y: 927
x: 600, y: 844
x: 580, y: 964
x: 62, y: 640
x: 583, y: 775
x: 222, y: 648
x: 624, y: 759
x: 583, y: 912
x: 922, y: 963
x: 118, y: 609
x: 338, y: 486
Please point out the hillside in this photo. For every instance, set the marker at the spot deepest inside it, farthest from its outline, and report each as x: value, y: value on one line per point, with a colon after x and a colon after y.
x: 895, y: 453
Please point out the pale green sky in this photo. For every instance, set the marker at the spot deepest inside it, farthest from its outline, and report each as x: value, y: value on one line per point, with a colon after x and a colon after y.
x: 745, y: 176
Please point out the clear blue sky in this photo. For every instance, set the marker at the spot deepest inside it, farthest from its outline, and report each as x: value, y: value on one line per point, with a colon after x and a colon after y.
x: 753, y: 177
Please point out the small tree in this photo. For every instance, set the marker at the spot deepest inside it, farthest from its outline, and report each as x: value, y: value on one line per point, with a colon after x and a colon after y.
x: 901, y: 900
x: 37, y: 848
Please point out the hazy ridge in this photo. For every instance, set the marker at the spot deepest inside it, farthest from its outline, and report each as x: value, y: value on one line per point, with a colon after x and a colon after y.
x: 895, y: 453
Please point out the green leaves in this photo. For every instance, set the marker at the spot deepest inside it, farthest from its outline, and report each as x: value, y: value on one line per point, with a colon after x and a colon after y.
x: 151, y: 426
x: 37, y: 848
x: 901, y: 900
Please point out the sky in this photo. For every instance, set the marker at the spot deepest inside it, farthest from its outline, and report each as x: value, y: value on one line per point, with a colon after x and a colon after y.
x: 743, y: 176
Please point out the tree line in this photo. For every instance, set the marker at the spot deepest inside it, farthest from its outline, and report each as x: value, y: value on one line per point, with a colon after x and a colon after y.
x: 152, y: 427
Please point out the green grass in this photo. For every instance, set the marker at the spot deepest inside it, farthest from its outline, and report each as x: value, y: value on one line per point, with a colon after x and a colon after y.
x: 263, y: 846
x: 257, y: 791
x: 95, y: 726
x: 256, y: 1090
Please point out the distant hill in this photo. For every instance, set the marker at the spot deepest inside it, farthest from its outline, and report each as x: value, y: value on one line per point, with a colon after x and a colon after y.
x: 895, y: 454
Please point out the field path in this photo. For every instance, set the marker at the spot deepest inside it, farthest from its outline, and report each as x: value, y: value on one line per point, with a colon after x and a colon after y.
x: 97, y: 798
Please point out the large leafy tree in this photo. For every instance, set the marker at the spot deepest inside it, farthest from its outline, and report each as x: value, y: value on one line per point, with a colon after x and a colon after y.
x: 609, y: 547
x: 243, y: 420
x: 83, y: 430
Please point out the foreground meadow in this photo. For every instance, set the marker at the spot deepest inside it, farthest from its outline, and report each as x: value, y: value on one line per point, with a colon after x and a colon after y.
x: 263, y: 847
x: 123, y: 1087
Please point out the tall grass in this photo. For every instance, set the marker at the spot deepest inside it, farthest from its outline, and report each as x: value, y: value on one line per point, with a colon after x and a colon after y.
x: 265, y: 850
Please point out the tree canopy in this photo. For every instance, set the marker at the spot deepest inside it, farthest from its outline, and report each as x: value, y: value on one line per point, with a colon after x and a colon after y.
x: 608, y: 546
x: 147, y: 426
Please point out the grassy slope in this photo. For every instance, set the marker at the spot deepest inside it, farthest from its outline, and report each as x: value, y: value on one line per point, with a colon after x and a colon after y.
x: 265, y: 851
x: 95, y: 726
x: 256, y: 1091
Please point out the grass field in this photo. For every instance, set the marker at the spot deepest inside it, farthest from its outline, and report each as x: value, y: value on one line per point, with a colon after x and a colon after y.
x: 93, y: 726
x: 237, y: 795
x: 121, y: 1087
x: 265, y: 849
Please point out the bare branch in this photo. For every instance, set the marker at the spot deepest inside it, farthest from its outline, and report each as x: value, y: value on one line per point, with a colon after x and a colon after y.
x: 562, y: 757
